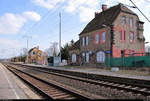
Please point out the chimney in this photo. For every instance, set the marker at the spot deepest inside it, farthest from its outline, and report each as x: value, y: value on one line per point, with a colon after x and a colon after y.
x: 104, y: 7
x: 96, y: 13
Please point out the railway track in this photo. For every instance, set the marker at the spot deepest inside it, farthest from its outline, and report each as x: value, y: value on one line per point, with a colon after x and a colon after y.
x: 136, y: 89
x: 46, y: 89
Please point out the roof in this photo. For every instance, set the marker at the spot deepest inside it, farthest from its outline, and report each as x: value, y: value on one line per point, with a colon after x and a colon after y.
x: 76, y: 45
x: 106, y: 17
x: 31, y: 49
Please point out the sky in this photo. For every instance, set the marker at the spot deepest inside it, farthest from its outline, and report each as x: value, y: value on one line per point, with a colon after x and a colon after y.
x: 38, y: 21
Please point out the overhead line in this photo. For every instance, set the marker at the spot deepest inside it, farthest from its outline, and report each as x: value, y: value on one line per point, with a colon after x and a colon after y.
x: 140, y: 10
x: 42, y: 17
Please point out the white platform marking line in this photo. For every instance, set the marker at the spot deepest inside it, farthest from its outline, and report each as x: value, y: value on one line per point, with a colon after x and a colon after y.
x: 9, y: 83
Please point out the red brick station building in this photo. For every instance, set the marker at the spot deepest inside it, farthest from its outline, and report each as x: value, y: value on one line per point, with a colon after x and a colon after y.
x: 115, y: 32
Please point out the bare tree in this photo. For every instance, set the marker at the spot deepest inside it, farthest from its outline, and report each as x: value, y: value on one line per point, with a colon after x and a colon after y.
x: 52, y: 50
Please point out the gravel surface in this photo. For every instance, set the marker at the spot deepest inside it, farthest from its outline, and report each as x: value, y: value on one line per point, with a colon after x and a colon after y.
x: 87, y: 87
x: 98, y: 71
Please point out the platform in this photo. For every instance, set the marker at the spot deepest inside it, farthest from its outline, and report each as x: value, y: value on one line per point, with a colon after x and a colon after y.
x: 11, y: 87
x: 96, y: 71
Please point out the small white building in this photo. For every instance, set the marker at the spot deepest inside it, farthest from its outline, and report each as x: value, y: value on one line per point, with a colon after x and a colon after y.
x: 147, y: 49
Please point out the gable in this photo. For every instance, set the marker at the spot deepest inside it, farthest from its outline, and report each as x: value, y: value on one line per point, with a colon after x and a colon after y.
x: 106, y: 17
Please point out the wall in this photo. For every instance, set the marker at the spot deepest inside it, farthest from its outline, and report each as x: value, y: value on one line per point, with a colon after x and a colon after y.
x: 92, y: 46
x: 138, y: 45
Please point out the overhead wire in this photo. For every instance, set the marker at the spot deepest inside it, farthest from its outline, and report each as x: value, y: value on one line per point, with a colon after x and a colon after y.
x: 46, y: 14
x: 140, y: 10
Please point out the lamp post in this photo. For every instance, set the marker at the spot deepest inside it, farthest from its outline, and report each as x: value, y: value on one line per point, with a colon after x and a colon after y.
x: 60, y: 35
x: 26, y: 36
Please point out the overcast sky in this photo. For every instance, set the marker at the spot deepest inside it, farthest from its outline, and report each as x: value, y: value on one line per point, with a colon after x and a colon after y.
x: 39, y: 20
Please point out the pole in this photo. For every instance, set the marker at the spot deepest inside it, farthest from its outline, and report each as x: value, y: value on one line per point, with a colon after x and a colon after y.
x: 60, y: 34
x: 27, y: 50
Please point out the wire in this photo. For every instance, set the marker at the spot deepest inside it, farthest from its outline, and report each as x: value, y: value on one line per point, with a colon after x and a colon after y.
x: 46, y: 14
x: 140, y: 10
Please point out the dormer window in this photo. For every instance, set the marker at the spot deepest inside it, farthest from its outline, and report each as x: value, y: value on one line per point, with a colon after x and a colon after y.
x: 123, y: 20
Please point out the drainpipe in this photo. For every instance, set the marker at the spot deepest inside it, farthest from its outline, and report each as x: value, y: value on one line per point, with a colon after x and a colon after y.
x: 112, y: 37
x: 112, y: 41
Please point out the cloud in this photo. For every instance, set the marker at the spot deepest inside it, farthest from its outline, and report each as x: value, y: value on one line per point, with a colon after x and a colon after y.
x: 86, y: 14
x: 49, y: 4
x: 11, y: 23
x: 9, y: 43
x: 81, y: 7
x: 73, y: 5
x: 9, y: 48
x: 32, y: 15
x: 84, y: 8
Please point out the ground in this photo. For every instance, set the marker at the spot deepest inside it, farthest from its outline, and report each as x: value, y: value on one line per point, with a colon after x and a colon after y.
x: 144, y: 71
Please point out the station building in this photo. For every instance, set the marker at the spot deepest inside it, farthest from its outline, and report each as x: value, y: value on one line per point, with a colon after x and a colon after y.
x: 115, y: 32
x: 37, y: 56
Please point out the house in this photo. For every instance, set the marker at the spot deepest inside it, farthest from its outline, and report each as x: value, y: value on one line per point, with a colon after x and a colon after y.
x: 74, y: 52
x: 37, y: 56
x: 147, y: 50
x: 115, y: 32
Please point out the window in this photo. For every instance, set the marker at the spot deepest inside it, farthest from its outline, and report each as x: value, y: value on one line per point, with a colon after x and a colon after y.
x: 131, y: 36
x: 86, y: 40
x: 33, y: 53
x: 131, y: 22
x: 96, y: 38
x: 122, y: 35
x: 73, y: 57
x: 121, y: 38
x: 148, y: 50
x: 83, y: 41
x: 83, y: 57
x: 100, y: 56
x: 103, y: 36
x: 123, y: 20
x: 39, y: 55
x: 131, y: 53
x: 87, y: 57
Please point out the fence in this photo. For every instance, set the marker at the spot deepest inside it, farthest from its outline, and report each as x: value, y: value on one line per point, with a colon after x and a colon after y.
x: 131, y: 61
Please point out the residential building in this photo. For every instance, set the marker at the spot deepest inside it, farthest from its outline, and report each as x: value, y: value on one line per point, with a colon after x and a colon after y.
x: 114, y: 32
x: 37, y: 56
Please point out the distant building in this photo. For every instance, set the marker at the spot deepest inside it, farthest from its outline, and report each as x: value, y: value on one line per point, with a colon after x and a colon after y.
x: 114, y: 32
x: 147, y: 50
x: 37, y: 56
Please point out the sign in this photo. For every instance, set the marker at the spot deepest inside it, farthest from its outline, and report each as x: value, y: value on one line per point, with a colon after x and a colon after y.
x: 56, y: 61
x: 108, y: 52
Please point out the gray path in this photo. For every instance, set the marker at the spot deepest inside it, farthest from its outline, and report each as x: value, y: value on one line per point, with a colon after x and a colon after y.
x: 8, y: 87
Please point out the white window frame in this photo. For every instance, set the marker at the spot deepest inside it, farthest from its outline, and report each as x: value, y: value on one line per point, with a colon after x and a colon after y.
x: 130, y: 37
x: 103, y: 35
x: 100, y: 57
x: 131, y: 21
x: 87, y: 40
x: 123, y: 20
x: 74, y: 58
x: 87, y: 57
x: 97, y: 38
